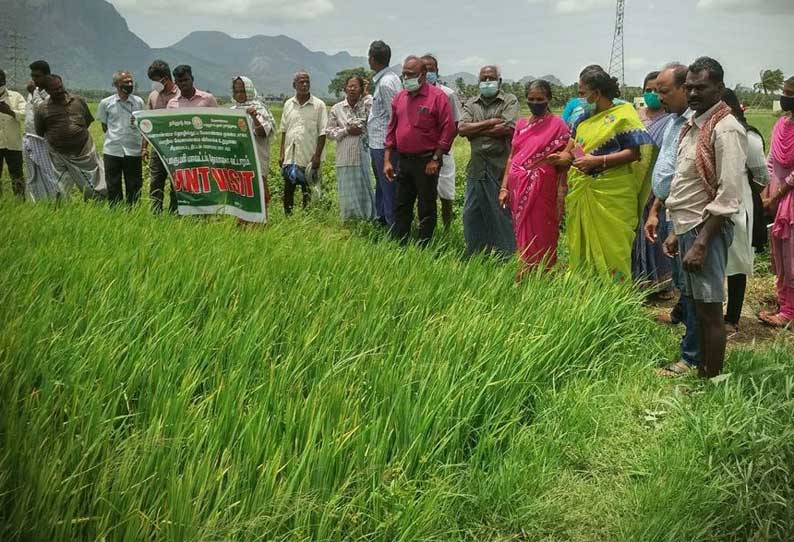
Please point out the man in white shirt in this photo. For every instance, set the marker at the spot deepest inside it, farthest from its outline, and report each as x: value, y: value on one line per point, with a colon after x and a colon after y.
x: 303, y: 124
x: 12, y: 111
x: 446, y: 176
x: 704, y: 195
x: 387, y: 84
x: 123, y: 141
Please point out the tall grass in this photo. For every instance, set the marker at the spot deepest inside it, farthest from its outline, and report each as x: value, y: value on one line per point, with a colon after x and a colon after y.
x: 170, y: 379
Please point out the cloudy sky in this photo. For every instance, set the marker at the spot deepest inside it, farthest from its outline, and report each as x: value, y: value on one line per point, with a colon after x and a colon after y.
x: 525, y: 37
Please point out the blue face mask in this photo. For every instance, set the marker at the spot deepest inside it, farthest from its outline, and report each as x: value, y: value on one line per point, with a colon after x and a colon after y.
x: 652, y: 100
x: 588, y: 107
x: 489, y: 89
x: 432, y: 78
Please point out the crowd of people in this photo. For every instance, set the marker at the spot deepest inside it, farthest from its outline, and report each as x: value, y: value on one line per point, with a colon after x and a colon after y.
x: 677, y: 194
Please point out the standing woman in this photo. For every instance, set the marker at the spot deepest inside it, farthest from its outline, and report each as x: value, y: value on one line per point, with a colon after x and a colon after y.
x: 741, y: 253
x: 347, y: 125
x: 246, y: 97
x: 781, y: 201
x: 610, y: 158
x: 650, y: 267
x: 532, y: 185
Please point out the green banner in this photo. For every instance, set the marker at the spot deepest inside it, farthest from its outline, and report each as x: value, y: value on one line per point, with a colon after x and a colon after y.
x: 211, y: 158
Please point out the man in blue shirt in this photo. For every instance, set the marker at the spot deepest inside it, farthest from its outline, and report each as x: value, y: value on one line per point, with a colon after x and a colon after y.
x: 670, y: 86
x: 122, y: 147
x: 387, y: 84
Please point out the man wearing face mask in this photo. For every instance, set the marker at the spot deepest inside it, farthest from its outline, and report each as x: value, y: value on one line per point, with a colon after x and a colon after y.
x: 12, y: 111
x: 123, y: 142
x: 163, y: 91
x: 704, y: 195
x: 63, y: 121
x: 672, y: 93
x: 421, y: 130
x: 650, y: 268
x: 446, y: 177
x: 488, y: 122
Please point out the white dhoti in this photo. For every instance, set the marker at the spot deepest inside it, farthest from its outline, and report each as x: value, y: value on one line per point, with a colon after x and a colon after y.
x: 84, y: 169
x: 41, y: 179
x: 446, y: 178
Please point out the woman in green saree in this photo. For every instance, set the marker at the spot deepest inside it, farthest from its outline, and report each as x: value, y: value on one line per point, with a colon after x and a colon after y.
x: 610, y: 158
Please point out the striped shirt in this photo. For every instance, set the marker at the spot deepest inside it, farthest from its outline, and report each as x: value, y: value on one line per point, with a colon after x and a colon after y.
x: 387, y: 85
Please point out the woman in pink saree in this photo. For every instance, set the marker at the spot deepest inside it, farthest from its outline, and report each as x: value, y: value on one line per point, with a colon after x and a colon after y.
x: 780, y: 200
x: 532, y: 185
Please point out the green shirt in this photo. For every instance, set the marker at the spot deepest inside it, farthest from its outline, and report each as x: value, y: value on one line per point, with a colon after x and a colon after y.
x: 484, y: 149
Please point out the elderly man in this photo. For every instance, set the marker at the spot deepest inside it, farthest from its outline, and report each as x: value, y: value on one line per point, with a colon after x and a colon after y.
x: 670, y: 87
x: 421, y: 130
x: 704, y: 194
x: 123, y: 141
x: 387, y: 85
x: 446, y: 177
x: 163, y: 91
x: 488, y: 121
x: 189, y: 95
x: 303, y: 124
x: 63, y: 121
x: 12, y: 111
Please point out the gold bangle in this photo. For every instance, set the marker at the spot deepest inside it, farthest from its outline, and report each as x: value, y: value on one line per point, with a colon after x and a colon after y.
x: 605, y: 161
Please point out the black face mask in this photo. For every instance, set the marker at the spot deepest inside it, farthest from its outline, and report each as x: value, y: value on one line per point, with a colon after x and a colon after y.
x: 787, y: 103
x: 126, y: 89
x: 538, y: 109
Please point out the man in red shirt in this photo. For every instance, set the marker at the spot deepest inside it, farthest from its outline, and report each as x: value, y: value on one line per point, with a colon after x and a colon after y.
x: 421, y: 130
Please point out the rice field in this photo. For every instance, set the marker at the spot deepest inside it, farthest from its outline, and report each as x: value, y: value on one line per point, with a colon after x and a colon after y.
x: 172, y: 379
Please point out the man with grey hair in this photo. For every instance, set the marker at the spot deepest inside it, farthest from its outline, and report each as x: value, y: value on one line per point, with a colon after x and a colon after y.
x: 446, y: 177
x: 488, y: 122
x: 303, y: 124
x: 421, y: 131
x: 122, y: 147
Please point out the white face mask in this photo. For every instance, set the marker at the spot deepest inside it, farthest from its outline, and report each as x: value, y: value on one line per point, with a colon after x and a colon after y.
x: 157, y: 86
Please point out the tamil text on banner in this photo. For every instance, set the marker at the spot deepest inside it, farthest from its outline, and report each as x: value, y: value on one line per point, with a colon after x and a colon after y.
x: 211, y: 158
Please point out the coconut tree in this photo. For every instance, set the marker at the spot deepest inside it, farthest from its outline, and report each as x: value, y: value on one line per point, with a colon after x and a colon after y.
x: 771, y: 81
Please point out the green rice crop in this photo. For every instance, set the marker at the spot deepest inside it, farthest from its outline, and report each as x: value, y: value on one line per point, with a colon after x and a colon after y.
x: 177, y: 379
x: 174, y: 379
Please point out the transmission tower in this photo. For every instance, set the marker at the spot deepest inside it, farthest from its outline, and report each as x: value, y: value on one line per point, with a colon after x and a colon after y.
x: 617, y: 63
x: 15, y: 56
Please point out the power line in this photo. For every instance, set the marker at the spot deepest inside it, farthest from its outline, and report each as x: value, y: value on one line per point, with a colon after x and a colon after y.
x: 617, y: 62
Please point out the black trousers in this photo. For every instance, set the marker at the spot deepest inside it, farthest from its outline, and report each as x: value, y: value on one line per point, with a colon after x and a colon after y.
x: 158, y: 174
x: 131, y: 168
x: 13, y: 160
x: 289, y: 196
x: 414, y: 185
x: 737, y: 285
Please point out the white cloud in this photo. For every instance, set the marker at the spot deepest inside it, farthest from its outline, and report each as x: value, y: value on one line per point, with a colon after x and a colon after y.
x: 572, y: 7
x: 270, y: 10
x: 636, y: 62
x: 775, y: 7
x: 472, y: 62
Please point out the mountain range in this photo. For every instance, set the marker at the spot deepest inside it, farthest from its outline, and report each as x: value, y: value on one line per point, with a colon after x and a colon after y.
x: 85, y: 41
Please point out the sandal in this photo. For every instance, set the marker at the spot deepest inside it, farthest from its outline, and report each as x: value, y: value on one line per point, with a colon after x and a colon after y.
x: 675, y: 370
x: 774, y: 320
x: 731, y: 330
